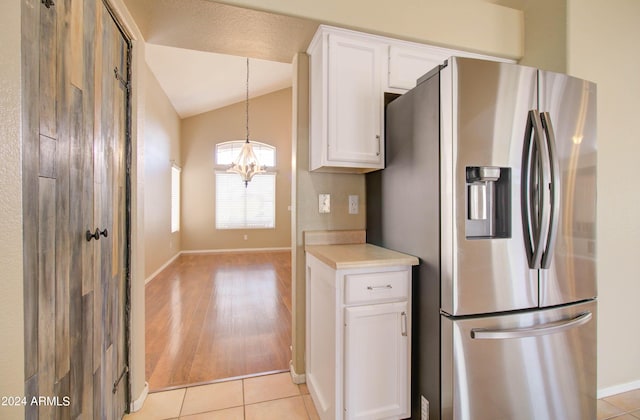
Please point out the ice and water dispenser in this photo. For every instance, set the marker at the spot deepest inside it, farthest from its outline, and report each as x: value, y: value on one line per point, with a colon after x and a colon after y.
x: 488, y: 202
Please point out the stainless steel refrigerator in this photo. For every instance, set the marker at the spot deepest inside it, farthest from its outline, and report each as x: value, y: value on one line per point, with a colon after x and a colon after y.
x: 490, y: 180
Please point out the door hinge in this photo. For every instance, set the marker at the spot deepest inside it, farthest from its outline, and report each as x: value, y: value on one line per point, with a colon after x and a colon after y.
x: 48, y: 3
x: 123, y: 81
x: 116, y: 383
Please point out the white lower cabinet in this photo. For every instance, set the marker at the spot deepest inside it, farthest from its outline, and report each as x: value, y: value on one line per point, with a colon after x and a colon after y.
x: 376, y: 376
x: 358, y: 341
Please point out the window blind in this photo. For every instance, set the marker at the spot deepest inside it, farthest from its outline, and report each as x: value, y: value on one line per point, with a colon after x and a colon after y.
x: 238, y: 207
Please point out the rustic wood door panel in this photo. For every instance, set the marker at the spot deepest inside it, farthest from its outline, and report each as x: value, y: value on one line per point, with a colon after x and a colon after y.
x: 75, y: 146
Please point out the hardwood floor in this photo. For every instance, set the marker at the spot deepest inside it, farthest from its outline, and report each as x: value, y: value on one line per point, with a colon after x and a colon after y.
x: 217, y: 316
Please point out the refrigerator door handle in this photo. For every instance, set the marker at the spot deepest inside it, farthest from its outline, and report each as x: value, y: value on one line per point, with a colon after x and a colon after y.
x: 554, y: 168
x: 538, y: 330
x: 525, y: 194
x: 535, y: 178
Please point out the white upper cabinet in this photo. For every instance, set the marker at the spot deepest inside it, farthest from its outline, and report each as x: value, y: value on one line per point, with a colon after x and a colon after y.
x: 355, y: 102
x: 349, y: 75
x: 346, y: 103
x: 408, y: 64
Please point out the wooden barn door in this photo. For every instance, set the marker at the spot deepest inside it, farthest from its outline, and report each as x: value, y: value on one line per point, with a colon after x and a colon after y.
x: 76, y: 194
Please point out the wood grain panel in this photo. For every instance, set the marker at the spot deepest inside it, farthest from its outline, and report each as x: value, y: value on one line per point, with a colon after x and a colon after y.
x: 74, y: 308
x: 63, y: 245
x: 106, y: 168
x: 46, y: 290
x: 30, y: 169
x: 77, y: 50
x: 88, y: 113
x: 48, y: 157
x: 48, y: 79
x: 30, y: 391
x: 77, y: 173
x: 61, y: 390
x: 87, y: 349
x: 98, y: 164
x: 118, y: 221
x: 109, y: 403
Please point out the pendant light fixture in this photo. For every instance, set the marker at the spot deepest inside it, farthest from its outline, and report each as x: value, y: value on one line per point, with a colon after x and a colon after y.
x: 246, y: 164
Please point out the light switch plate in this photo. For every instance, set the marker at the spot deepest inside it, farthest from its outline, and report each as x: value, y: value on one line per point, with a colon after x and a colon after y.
x: 324, y: 203
x: 354, y: 207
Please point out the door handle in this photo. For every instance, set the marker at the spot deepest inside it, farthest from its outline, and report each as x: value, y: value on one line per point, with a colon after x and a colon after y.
x: 555, y: 190
x: 95, y: 235
x: 403, y: 324
x: 89, y: 236
x: 536, y: 220
x: 538, y: 330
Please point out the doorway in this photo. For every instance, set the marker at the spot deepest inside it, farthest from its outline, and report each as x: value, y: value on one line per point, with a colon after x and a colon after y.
x: 222, y: 308
x: 214, y: 27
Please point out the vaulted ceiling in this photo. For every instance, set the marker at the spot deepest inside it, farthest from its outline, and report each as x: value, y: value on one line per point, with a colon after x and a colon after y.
x: 196, y: 50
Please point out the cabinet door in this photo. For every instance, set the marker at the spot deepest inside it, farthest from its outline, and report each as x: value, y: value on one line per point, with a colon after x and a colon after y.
x: 377, y: 361
x: 407, y: 65
x: 355, y: 101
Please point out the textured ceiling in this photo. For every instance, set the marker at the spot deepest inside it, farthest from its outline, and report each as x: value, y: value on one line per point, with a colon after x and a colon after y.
x: 209, y: 26
x: 196, y: 50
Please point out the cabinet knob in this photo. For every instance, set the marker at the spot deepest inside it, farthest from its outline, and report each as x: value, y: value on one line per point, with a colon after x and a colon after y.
x: 95, y: 235
x: 89, y: 236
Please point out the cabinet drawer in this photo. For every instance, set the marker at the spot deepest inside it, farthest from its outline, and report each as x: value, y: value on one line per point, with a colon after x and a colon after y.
x: 376, y: 287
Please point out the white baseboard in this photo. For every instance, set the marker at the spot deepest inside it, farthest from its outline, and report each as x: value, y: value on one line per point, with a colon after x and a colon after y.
x: 165, y: 265
x: 139, y: 402
x: 226, y: 251
x: 297, y: 378
x: 618, y: 389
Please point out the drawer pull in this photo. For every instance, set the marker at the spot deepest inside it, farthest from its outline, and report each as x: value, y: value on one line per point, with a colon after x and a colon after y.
x: 388, y: 286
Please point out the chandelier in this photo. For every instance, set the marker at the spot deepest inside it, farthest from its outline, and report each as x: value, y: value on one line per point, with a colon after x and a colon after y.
x: 246, y: 164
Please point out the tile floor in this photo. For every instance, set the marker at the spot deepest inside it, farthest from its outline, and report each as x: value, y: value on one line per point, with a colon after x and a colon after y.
x: 275, y: 397
x: 271, y: 397
x: 625, y: 406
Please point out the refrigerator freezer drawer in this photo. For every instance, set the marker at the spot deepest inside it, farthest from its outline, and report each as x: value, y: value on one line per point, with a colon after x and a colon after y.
x: 528, y: 365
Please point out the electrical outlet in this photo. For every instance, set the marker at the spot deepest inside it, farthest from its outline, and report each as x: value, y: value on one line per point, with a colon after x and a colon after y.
x: 324, y: 203
x: 354, y: 205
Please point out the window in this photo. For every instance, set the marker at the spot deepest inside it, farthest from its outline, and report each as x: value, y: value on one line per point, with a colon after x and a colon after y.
x: 175, y: 198
x: 240, y: 207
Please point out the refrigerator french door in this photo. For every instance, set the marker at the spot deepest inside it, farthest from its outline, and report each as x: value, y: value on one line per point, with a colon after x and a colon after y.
x: 519, y: 161
x: 490, y: 181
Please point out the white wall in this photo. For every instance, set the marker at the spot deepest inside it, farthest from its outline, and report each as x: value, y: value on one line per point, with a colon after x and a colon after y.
x: 269, y: 122
x: 474, y: 25
x: 11, y: 298
x: 161, y: 146
x: 603, y: 47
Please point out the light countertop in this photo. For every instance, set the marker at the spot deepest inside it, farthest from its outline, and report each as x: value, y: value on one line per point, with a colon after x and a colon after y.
x: 349, y: 256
